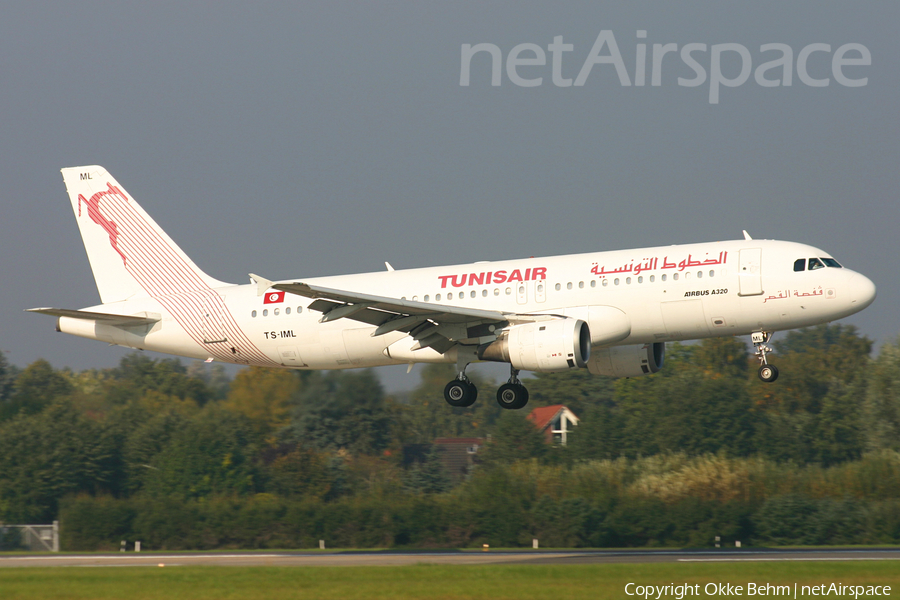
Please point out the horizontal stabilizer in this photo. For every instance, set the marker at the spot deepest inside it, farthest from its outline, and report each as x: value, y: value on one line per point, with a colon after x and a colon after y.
x: 106, y: 318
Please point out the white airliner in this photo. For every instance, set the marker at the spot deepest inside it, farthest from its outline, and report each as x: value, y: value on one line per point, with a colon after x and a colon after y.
x: 609, y: 312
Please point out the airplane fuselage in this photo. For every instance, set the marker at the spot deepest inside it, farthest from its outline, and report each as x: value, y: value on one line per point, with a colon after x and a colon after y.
x: 667, y: 293
x: 609, y: 312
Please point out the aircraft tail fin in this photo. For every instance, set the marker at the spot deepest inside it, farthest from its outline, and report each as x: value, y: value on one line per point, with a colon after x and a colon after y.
x: 130, y: 255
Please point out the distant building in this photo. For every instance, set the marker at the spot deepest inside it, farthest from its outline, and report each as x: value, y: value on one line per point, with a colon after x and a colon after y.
x: 458, y: 455
x: 555, y: 422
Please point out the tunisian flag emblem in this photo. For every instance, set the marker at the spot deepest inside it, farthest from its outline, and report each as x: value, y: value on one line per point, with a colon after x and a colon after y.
x: 274, y: 298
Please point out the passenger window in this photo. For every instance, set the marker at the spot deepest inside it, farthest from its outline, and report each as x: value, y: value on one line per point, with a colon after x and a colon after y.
x: 449, y: 295
x: 628, y: 280
x: 426, y: 298
x: 472, y: 293
x: 616, y: 281
x: 675, y: 277
x: 815, y: 263
x: 605, y: 282
x: 265, y: 312
x: 641, y: 279
x: 299, y: 309
x: 253, y: 314
x: 569, y: 286
x: 275, y: 312
x: 580, y: 285
x: 437, y: 297
x: 558, y: 287
x: 652, y: 278
x: 509, y: 290
x: 799, y: 265
x: 593, y: 283
x: 484, y: 293
x: 699, y: 274
x: 663, y: 278
x: 287, y: 310
x: 712, y: 273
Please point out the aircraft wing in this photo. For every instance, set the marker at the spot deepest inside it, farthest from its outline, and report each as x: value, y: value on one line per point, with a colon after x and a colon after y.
x: 436, y: 326
x: 106, y: 318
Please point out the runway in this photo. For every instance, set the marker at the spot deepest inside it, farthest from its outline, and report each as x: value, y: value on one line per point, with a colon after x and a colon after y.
x: 444, y: 557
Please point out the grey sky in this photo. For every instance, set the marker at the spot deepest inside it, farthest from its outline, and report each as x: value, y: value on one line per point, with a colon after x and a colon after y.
x: 301, y: 140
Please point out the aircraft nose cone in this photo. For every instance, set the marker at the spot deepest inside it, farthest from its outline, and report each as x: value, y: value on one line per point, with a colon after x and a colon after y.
x: 862, y: 291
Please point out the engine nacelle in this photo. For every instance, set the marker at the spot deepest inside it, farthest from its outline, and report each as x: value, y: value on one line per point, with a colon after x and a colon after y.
x: 627, y: 361
x: 552, y: 345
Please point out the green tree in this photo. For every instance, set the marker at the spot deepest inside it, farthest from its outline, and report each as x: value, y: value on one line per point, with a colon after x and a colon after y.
x: 428, y: 476
x: 8, y: 374
x: 514, y: 438
x: 47, y: 455
x: 138, y: 374
x: 598, y: 435
x: 881, y: 408
x: 264, y: 396
x: 293, y: 471
x: 812, y: 413
x: 343, y: 409
x: 35, y: 388
x: 576, y: 388
x: 212, y: 453
x: 694, y: 405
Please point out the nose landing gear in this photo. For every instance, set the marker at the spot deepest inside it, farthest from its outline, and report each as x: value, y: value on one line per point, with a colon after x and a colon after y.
x: 767, y: 372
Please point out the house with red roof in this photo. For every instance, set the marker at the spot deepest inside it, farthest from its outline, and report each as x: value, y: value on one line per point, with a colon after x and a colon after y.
x: 555, y: 422
x: 458, y: 455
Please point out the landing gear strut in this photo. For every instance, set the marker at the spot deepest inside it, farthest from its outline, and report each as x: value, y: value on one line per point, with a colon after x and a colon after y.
x: 767, y: 372
x: 461, y: 392
x: 512, y: 394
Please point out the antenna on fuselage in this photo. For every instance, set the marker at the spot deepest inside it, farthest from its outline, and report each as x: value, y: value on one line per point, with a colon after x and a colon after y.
x: 746, y: 235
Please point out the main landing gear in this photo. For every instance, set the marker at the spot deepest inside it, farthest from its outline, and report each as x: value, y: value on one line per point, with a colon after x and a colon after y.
x: 767, y: 372
x: 462, y: 393
x: 512, y: 394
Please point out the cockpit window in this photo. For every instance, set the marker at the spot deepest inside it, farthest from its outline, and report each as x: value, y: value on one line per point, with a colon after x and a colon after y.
x: 815, y: 263
x: 800, y: 265
x: 830, y: 262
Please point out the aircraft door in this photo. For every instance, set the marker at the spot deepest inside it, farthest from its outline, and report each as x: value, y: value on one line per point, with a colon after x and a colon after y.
x: 749, y: 272
x: 522, y: 292
x: 540, y: 290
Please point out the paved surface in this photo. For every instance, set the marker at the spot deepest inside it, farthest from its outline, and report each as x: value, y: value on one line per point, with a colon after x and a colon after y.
x: 393, y: 558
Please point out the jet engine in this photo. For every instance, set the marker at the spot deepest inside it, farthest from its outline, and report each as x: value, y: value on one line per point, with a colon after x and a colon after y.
x: 627, y: 361
x: 551, y: 345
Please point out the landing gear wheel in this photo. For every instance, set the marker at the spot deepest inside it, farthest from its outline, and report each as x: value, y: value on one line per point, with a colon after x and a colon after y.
x: 460, y: 393
x: 768, y: 373
x: 512, y: 396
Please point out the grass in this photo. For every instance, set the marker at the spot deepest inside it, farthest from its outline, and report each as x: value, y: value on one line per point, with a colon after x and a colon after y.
x: 439, y: 582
